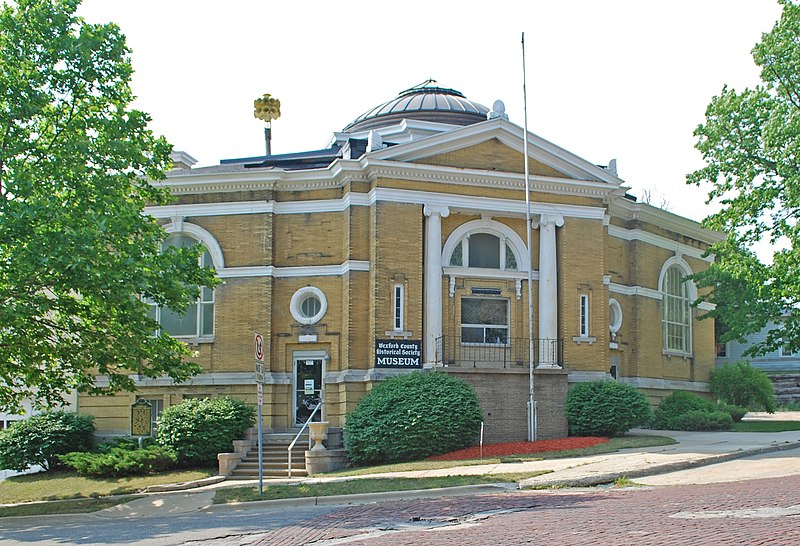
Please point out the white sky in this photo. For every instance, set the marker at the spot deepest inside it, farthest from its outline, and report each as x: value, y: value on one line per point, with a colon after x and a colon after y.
x: 625, y: 79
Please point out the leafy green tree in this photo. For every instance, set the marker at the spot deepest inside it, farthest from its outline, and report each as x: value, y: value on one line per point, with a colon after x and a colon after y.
x: 76, y: 252
x: 750, y: 142
x: 743, y: 385
x: 42, y: 438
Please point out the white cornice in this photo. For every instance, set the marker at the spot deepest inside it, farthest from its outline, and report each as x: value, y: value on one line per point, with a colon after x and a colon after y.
x: 468, y: 203
x: 210, y: 209
x: 628, y: 210
x: 421, y: 172
x: 296, y: 271
x: 659, y: 241
x: 321, y: 270
x: 650, y: 293
x: 634, y: 291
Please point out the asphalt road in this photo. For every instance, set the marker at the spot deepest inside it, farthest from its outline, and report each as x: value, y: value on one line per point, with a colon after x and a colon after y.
x: 761, y: 510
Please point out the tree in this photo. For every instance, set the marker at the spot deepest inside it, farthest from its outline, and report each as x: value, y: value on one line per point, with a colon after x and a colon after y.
x: 77, y: 255
x: 751, y: 144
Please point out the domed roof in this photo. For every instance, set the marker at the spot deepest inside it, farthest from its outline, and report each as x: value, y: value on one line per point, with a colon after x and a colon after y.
x: 424, y: 102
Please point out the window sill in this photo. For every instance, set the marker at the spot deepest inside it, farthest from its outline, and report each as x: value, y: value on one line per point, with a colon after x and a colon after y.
x: 194, y: 340
x: 584, y: 339
x: 480, y: 344
x: 670, y: 354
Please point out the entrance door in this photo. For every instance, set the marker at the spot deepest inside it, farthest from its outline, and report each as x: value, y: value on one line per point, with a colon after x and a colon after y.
x: 308, y: 388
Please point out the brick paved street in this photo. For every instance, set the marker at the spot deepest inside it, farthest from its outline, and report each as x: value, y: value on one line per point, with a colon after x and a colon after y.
x: 751, y: 512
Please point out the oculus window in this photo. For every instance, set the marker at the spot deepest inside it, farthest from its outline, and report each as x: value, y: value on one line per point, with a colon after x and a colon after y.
x: 308, y: 305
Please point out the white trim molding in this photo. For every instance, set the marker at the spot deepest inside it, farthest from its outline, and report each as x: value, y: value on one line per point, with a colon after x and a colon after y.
x: 634, y: 291
x: 179, y: 226
x: 294, y: 271
x: 659, y: 241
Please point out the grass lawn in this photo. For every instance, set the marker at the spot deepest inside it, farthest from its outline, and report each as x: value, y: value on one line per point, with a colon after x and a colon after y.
x: 615, y: 444
x: 765, y: 426
x: 73, y: 506
x: 60, y: 485
x: 367, y: 485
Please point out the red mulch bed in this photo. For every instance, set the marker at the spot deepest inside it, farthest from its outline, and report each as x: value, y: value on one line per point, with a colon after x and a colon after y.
x: 520, y: 448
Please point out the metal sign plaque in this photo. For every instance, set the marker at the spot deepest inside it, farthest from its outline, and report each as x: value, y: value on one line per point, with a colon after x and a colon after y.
x: 141, y: 423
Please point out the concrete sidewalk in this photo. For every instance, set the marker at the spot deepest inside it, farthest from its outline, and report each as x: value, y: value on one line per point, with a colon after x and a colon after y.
x: 694, y: 449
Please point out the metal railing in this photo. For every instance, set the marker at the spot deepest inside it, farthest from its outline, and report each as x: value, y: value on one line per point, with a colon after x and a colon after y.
x: 304, y: 427
x: 511, y: 353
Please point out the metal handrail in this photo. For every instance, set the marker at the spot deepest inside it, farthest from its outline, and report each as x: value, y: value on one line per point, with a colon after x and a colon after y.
x: 305, y: 425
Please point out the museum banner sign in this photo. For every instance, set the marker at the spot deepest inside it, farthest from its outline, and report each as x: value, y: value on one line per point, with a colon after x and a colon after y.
x: 396, y: 353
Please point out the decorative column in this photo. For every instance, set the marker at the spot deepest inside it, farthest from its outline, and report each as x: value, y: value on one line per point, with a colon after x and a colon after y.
x: 432, y: 279
x: 548, y: 289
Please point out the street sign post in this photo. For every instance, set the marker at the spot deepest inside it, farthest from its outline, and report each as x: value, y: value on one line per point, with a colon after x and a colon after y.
x: 258, y: 353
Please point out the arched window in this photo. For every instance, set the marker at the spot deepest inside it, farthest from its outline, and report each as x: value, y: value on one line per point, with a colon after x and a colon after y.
x: 198, y: 320
x: 677, y: 312
x: 486, y: 245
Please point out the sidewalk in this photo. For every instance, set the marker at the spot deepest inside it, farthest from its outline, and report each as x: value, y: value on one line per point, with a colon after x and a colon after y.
x: 694, y: 449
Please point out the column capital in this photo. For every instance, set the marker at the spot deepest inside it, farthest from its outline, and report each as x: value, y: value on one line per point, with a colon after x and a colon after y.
x: 547, y: 219
x: 441, y: 210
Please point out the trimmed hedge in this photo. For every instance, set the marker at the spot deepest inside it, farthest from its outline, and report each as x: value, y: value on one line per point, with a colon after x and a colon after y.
x: 684, y: 410
x: 121, y: 461
x: 40, y: 439
x: 197, y: 430
x: 605, y: 408
x: 742, y: 385
x: 413, y: 416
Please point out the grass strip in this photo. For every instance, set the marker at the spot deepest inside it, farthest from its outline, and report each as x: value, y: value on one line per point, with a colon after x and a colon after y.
x: 366, y: 485
x: 72, y: 506
x: 60, y: 485
x: 765, y: 426
x: 615, y: 444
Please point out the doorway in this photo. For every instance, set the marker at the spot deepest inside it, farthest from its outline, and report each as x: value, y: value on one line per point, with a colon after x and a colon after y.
x: 308, y: 388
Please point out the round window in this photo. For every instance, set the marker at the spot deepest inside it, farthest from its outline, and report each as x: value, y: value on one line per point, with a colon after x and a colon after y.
x: 614, y: 316
x: 308, y: 305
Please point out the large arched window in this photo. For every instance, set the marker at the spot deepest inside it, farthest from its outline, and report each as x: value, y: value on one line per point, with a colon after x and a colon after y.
x: 485, y: 244
x: 676, y: 304
x: 198, y: 320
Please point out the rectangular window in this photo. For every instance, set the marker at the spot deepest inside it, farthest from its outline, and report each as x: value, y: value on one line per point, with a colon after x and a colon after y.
x: 584, y: 316
x: 484, y: 320
x: 399, y: 307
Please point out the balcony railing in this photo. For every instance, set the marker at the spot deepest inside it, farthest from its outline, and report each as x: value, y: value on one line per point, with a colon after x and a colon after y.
x: 513, y: 353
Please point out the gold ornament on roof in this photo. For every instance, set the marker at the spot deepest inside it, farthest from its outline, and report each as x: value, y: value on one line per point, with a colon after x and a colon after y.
x: 267, y: 108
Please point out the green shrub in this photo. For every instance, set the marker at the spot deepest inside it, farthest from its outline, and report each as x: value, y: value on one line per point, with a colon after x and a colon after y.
x: 736, y: 412
x: 743, y: 385
x: 676, y: 404
x: 605, y: 408
x: 121, y: 461
x: 703, y: 420
x: 41, y: 438
x: 197, y: 430
x: 413, y: 416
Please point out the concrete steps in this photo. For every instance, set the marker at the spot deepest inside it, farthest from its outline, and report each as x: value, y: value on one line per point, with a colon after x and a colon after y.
x: 275, y: 457
x: 787, y: 388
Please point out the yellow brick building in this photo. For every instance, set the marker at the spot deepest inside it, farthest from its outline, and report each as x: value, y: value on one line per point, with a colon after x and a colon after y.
x: 404, y: 245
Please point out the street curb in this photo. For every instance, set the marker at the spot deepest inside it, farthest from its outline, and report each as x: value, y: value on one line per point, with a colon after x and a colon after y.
x: 367, y: 498
x: 183, y: 486
x: 653, y: 470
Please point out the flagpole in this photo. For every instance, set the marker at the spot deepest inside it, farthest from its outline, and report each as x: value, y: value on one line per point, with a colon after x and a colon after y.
x: 531, y: 401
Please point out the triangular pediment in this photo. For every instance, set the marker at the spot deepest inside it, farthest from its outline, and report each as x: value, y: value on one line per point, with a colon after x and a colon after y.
x: 496, y: 145
x: 491, y: 155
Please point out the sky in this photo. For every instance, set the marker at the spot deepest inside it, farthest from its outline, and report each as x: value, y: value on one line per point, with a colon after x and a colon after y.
x: 624, y: 79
